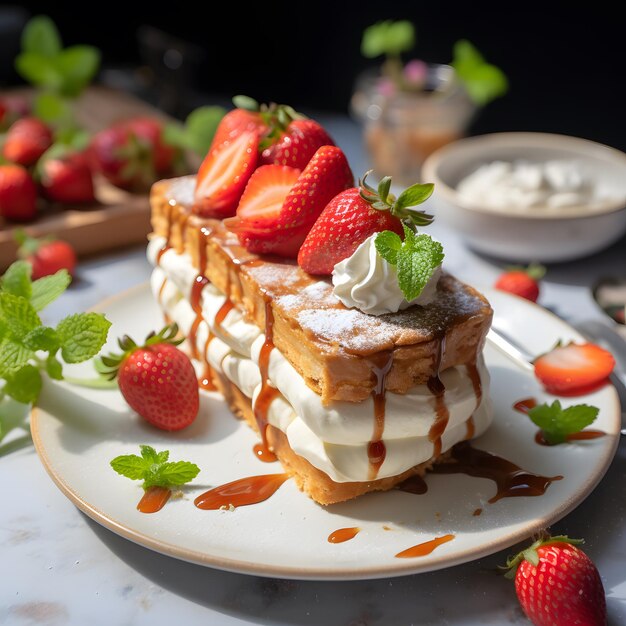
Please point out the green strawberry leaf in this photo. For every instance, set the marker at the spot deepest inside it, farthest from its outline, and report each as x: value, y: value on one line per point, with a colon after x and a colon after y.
x: 24, y: 385
x: 17, y: 281
x: 415, y: 194
x: 78, y: 65
x: 40, y: 36
x: 47, y: 289
x: 52, y: 108
x: 388, y: 38
x: 556, y: 423
x: 82, y: 336
x: 38, y: 70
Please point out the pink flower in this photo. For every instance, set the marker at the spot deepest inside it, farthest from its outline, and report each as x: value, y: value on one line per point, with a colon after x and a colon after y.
x: 415, y: 71
x: 386, y: 87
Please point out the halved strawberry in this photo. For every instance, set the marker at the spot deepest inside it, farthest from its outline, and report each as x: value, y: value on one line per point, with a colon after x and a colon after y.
x: 236, y: 122
x: 281, y: 227
x: 574, y: 369
x: 223, y: 175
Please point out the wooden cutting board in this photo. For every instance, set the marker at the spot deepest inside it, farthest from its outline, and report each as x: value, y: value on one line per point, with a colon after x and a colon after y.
x: 119, y: 218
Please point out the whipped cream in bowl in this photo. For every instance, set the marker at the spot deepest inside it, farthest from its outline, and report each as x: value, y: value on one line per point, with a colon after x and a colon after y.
x: 369, y: 283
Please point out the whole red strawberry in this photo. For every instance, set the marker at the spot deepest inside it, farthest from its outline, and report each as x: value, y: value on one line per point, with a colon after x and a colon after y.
x: 67, y: 178
x: 557, y: 584
x: 353, y: 216
x: 18, y: 194
x: 26, y: 141
x: 522, y: 281
x: 280, y: 205
x: 131, y: 154
x: 46, y: 256
x: 157, y: 379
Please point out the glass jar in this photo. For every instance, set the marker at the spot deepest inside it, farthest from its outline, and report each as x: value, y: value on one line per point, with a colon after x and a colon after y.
x: 403, y: 128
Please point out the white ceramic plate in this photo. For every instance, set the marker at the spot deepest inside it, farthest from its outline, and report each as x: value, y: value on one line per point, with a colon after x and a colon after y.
x: 77, y: 431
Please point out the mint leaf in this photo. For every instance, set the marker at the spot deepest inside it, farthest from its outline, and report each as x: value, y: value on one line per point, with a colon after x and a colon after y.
x: 24, y: 385
x: 198, y: 130
x: 47, y: 289
x: 416, y: 262
x: 152, y: 467
x: 42, y: 338
x: 388, y: 37
x: 557, y: 423
x: 40, y: 36
x: 51, y: 108
x: 13, y: 356
x: 18, y: 314
x: 82, y: 336
x: 78, y: 65
x: 38, y: 70
x: 172, y: 474
x: 54, y: 368
x: 129, y: 465
x: 388, y: 244
x: 16, y: 280
x: 484, y: 82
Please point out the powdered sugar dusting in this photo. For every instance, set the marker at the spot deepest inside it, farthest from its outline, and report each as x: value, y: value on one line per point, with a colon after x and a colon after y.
x: 316, y: 295
x: 182, y: 190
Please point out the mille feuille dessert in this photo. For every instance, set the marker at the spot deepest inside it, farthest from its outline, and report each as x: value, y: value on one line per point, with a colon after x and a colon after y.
x: 315, y: 308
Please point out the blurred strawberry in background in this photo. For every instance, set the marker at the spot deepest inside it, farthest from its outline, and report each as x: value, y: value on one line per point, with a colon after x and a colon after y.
x: 47, y: 256
x: 18, y: 194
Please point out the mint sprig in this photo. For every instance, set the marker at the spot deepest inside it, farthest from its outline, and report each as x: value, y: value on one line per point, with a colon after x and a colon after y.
x: 196, y: 134
x: 154, y: 468
x: 483, y: 81
x: 416, y: 258
x: 556, y: 423
x: 27, y: 347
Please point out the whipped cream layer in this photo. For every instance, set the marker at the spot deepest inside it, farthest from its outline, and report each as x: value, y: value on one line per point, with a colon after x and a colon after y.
x: 333, y: 438
x: 369, y: 283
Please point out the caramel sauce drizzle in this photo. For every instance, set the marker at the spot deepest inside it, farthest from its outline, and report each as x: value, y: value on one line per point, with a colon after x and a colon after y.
x: 343, y: 534
x: 242, y: 492
x: 414, y: 484
x: 196, y: 305
x: 477, y: 512
x: 376, y: 450
x: 470, y: 427
x: 423, y: 549
x: 154, y: 499
x: 268, y: 393
x: 511, y: 480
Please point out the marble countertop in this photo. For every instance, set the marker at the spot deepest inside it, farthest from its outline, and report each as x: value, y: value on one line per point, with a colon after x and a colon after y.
x: 61, y: 568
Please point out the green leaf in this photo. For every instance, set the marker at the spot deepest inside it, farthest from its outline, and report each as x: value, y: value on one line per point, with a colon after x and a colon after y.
x: 39, y: 70
x: 417, y: 261
x: 49, y: 288
x: 51, y: 108
x: 78, y: 65
x: 54, y: 367
x: 40, y: 36
x: 388, y: 244
x: 173, y: 474
x: 13, y: 356
x: 557, y: 423
x: 24, y: 385
x: 383, y: 188
x: 72, y: 137
x: 18, y: 314
x: 246, y: 102
x: 201, y: 125
x: 163, y: 456
x: 16, y: 280
x: 388, y: 37
x: 414, y: 195
x: 484, y: 82
x: 129, y: 465
x: 149, y: 454
x: 42, y: 338
x: 82, y: 336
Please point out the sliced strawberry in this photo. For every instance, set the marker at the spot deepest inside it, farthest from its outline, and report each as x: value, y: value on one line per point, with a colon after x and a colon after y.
x: 574, y: 369
x: 282, y: 229
x: 236, y: 122
x: 297, y: 144
x: 223, y: 175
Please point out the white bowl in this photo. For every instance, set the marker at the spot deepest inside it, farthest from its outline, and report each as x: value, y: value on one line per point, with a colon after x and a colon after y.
x: 538, y: 233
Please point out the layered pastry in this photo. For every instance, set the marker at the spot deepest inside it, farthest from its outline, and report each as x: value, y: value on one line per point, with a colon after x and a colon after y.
x: 350, y: 395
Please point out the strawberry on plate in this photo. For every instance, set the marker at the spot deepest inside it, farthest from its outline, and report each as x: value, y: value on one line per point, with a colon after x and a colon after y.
x: 574, y: 369
x: 26, y: 141
x: 46, y: 256
x: 66, y: 178
x: 280, y: 204
x: 223, y: 175
x: 354, y: 215
x: 18, y: 194
x: 523, y: 282
x: 557, y: 584
x: 156, y: 379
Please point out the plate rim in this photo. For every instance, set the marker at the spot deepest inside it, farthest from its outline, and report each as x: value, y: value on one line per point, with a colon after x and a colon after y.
x: 316, y: 573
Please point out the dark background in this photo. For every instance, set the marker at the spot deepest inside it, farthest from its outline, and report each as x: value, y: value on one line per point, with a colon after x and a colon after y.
x: 565, y: 64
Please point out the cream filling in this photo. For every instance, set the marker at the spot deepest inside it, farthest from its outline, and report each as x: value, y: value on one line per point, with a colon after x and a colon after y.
x: 333, y: 438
